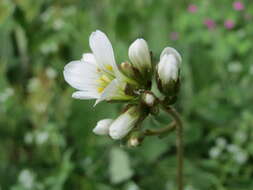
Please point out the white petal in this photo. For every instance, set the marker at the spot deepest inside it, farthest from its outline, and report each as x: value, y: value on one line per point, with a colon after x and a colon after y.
x: 173, y: 51
x: 110, y: 91
x: 114, y: 91
x: 102, y: 127
x: 102, y: 50
x: 89, y: 57
x: 85, y: 95
x: 80, y: 75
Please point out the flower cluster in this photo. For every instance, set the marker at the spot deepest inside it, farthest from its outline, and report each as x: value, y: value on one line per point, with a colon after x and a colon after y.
x: 97, y: 76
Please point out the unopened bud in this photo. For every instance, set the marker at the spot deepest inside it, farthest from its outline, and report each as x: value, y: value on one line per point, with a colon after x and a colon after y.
x: 168, y: 71
x: 149, y: 99
x: 140, y: 57
x: 135, y: 139
x: 124, y: 123
x: 133, y: 142
x: 127, y: 69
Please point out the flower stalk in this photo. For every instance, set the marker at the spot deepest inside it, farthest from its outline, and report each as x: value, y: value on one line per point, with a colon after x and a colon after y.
x: 179, y: 144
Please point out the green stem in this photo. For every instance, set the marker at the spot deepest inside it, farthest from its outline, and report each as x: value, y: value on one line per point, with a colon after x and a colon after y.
x: 171, y: 127
x: 179, y: 143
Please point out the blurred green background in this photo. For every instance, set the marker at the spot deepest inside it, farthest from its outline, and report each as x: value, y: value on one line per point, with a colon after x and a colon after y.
x: 46, y: 139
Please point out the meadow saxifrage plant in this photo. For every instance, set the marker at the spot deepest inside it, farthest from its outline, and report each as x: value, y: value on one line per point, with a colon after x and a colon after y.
x: 97, y: 76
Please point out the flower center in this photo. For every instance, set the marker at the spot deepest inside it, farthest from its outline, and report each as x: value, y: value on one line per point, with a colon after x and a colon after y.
x: 103, y: 81
x: 105, y: 78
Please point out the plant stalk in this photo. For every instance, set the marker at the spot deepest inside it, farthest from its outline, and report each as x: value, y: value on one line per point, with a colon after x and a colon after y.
x: 179, y: 144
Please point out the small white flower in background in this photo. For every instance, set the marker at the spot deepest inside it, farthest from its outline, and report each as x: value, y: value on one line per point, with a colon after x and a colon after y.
x: 232, y: 148
x: 41, y: 107
x: 41, y: 137
x: 221, y: 142
x: 58, y: 24
x: 215, y: 152
x: 140, y: 57
x: 240, y: 157
x: 34, y: 84
x: 8, y: 92
x: 124, y: 123
x: 26, y: 178
x: 28, y: 138
x: 235, y: 67
x: 102, y: 127
x: 51, y: 72
x: 96, y: 73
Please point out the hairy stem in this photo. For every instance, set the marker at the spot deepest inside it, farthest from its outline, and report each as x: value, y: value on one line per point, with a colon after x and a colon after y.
x: 179, y: 143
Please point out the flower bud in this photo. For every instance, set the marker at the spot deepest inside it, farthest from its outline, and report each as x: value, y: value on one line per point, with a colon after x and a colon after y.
x: 135, y: 139
x: 124, y: 123
x: 148, y: 99
x: 127, y: 69
x: 168, y: 71
x: 140, y: 57
x: 133, y: 142
x: 102, y: 127
x: 170, y: 50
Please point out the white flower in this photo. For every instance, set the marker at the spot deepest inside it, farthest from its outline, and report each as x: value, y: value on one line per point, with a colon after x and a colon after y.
x: 139, y: 55
x: 124, y: 123
x: 42, y: 137
x: 95, y: 71
x: 26, y: 178
x: 102, y: 127
x: 215, y: 152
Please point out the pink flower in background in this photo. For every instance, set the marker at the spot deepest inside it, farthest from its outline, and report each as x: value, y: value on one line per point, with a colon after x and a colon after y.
x: 210, y: 24
x: 238, y: 5
x: 174, y: 36
x: 192, y: 8
x: 229, y: 24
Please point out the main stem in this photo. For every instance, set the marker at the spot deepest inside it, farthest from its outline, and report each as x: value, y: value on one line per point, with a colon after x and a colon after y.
x: 179, y: 144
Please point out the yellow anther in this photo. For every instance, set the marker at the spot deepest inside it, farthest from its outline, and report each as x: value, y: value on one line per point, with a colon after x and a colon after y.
x: 105, y: 78
x: 100, y: 89
x: 109, y: 67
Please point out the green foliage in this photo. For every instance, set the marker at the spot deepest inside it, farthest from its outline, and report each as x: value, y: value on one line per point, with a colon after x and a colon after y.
x: 46, y: 136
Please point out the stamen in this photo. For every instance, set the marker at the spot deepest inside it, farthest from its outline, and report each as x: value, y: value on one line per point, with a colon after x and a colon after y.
x: 100, y: 89
x: 109, y: 67
x: 105, y: 78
